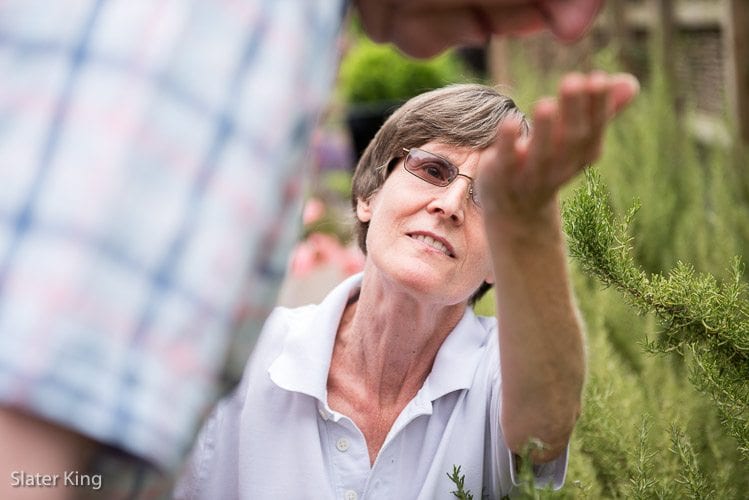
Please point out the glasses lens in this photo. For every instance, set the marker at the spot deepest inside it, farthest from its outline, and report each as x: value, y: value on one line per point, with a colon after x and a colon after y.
x: 430, y: 167
x: 475, y: 196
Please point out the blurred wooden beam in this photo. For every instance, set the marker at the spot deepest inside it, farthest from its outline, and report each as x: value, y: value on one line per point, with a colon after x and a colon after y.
x: 499, y: 61
x: 737, y: 67
x: 690, y: 15
x: 620, y: 32
x: 667, y: 30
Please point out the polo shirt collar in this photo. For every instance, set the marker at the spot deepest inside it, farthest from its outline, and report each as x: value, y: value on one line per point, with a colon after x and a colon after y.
x: 458, y: 358
x: 304, y: 362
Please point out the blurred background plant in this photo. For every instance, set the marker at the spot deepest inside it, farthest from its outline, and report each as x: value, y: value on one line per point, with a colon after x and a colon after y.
x: 375, y: 79
x: 374, y: 73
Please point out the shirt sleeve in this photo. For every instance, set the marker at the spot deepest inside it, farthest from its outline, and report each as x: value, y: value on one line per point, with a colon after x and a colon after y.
x: 548, y: 474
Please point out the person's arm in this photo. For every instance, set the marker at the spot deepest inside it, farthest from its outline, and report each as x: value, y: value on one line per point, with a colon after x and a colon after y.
x: 542, y: 350
x: 41, y: 455
x: 541, y: 338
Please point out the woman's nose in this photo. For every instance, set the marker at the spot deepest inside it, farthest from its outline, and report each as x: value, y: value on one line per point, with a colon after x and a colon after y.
x: 451, y: 200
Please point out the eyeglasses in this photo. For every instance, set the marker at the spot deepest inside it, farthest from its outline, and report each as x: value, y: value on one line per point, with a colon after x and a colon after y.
x: 436, y: 170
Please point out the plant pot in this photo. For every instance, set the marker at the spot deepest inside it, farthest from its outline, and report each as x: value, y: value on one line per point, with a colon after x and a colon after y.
x: 365, y: 119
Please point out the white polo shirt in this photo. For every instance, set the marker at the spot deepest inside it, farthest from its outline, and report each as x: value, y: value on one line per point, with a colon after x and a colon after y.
x: 277, y: 438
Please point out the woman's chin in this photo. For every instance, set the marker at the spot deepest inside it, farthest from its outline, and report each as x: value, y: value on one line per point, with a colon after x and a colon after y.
x: 431, y: 287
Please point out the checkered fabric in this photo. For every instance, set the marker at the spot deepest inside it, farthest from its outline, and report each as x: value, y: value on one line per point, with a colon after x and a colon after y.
x: 150, y: 158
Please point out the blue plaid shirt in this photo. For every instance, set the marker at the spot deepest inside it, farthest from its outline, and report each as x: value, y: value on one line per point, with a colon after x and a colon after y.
x: 150, y: 156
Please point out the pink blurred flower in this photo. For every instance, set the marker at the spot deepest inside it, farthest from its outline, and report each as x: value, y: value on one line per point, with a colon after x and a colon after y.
x: 314, y: 210
x: 320, y: 249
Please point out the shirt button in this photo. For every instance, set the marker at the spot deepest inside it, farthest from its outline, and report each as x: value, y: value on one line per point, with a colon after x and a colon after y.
x: 351, y: 495
x: 342, y: 445
x: 323, y: 413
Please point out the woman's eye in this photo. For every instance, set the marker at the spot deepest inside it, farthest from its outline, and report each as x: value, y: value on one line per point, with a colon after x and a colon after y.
x: 435, y: 171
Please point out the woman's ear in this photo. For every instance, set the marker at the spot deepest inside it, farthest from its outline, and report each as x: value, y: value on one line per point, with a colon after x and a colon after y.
x: 363, y: 210
x: 489, y: 278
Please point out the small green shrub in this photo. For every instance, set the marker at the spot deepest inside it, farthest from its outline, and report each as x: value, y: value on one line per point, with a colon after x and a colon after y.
x: 373, y: 73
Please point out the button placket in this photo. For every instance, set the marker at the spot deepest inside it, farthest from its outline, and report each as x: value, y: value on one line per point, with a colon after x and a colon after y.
x: 349, y: 458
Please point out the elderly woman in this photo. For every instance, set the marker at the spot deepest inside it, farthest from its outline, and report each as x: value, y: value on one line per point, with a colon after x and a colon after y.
x: 392, y: 380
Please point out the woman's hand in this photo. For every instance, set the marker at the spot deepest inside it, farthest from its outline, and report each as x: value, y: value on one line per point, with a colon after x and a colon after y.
x: 520, y: 176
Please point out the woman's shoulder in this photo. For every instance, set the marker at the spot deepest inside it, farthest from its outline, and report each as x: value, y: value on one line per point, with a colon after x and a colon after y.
x: 290, y: 315
x: 280, y: 322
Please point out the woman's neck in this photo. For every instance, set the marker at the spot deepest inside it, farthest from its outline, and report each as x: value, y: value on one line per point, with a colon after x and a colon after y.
x: 387, y: 342
x: 384, y: 349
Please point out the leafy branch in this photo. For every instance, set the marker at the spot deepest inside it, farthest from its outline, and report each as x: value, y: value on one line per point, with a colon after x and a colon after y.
x: 701, y: 317
x: 459, y: 481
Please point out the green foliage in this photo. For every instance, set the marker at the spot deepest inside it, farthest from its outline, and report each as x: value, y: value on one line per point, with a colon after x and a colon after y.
x: 371, y: 73
x: 623, y: 446
x: 459, y: 481
x: 690, y: 476
x: 642, y: 484
x: 338, y: 182
x: 700, y: 316
x: 485, y: 305
x: 658, y: 222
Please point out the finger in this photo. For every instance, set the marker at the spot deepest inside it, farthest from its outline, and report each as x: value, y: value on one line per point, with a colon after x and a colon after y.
x: 425, y: 33
x: 431, y: 4
x: 570, y: 19
x: 375, y: 18
x: 573, y: 127
x: 598, y: 90
x: 425, y: 29
x: 541, y: 147
x: 507, y: 140
x: 599, y: 86
x: 501, y: 163
x: 517, y: 20
x: 623, y: 88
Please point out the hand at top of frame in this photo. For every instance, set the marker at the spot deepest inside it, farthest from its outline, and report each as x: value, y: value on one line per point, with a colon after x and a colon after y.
x: 423, y: 28
x: 520, y: 176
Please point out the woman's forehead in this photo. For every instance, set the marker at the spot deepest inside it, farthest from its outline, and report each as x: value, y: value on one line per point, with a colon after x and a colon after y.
x: 456, y: 154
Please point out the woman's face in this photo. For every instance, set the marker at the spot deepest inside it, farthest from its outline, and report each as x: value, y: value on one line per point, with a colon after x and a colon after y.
x: 425, y: 238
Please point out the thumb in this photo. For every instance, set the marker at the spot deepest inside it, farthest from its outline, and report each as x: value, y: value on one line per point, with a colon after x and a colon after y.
x: 570, y: 19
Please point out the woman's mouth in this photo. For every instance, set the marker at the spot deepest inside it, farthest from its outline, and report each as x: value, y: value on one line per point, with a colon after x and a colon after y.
x: 434, y: 243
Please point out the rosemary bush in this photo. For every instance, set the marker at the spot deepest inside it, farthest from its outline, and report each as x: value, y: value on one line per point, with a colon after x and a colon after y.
x: 656, y: 232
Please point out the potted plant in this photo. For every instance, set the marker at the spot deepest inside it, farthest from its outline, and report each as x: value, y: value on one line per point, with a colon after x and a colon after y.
x: 376, y: 79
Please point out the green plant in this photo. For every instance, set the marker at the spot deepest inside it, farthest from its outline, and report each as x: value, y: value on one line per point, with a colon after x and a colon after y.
x: 701, y: 317
x: 459, y: 481
x: 373, y: 73
x: 657, y: 222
